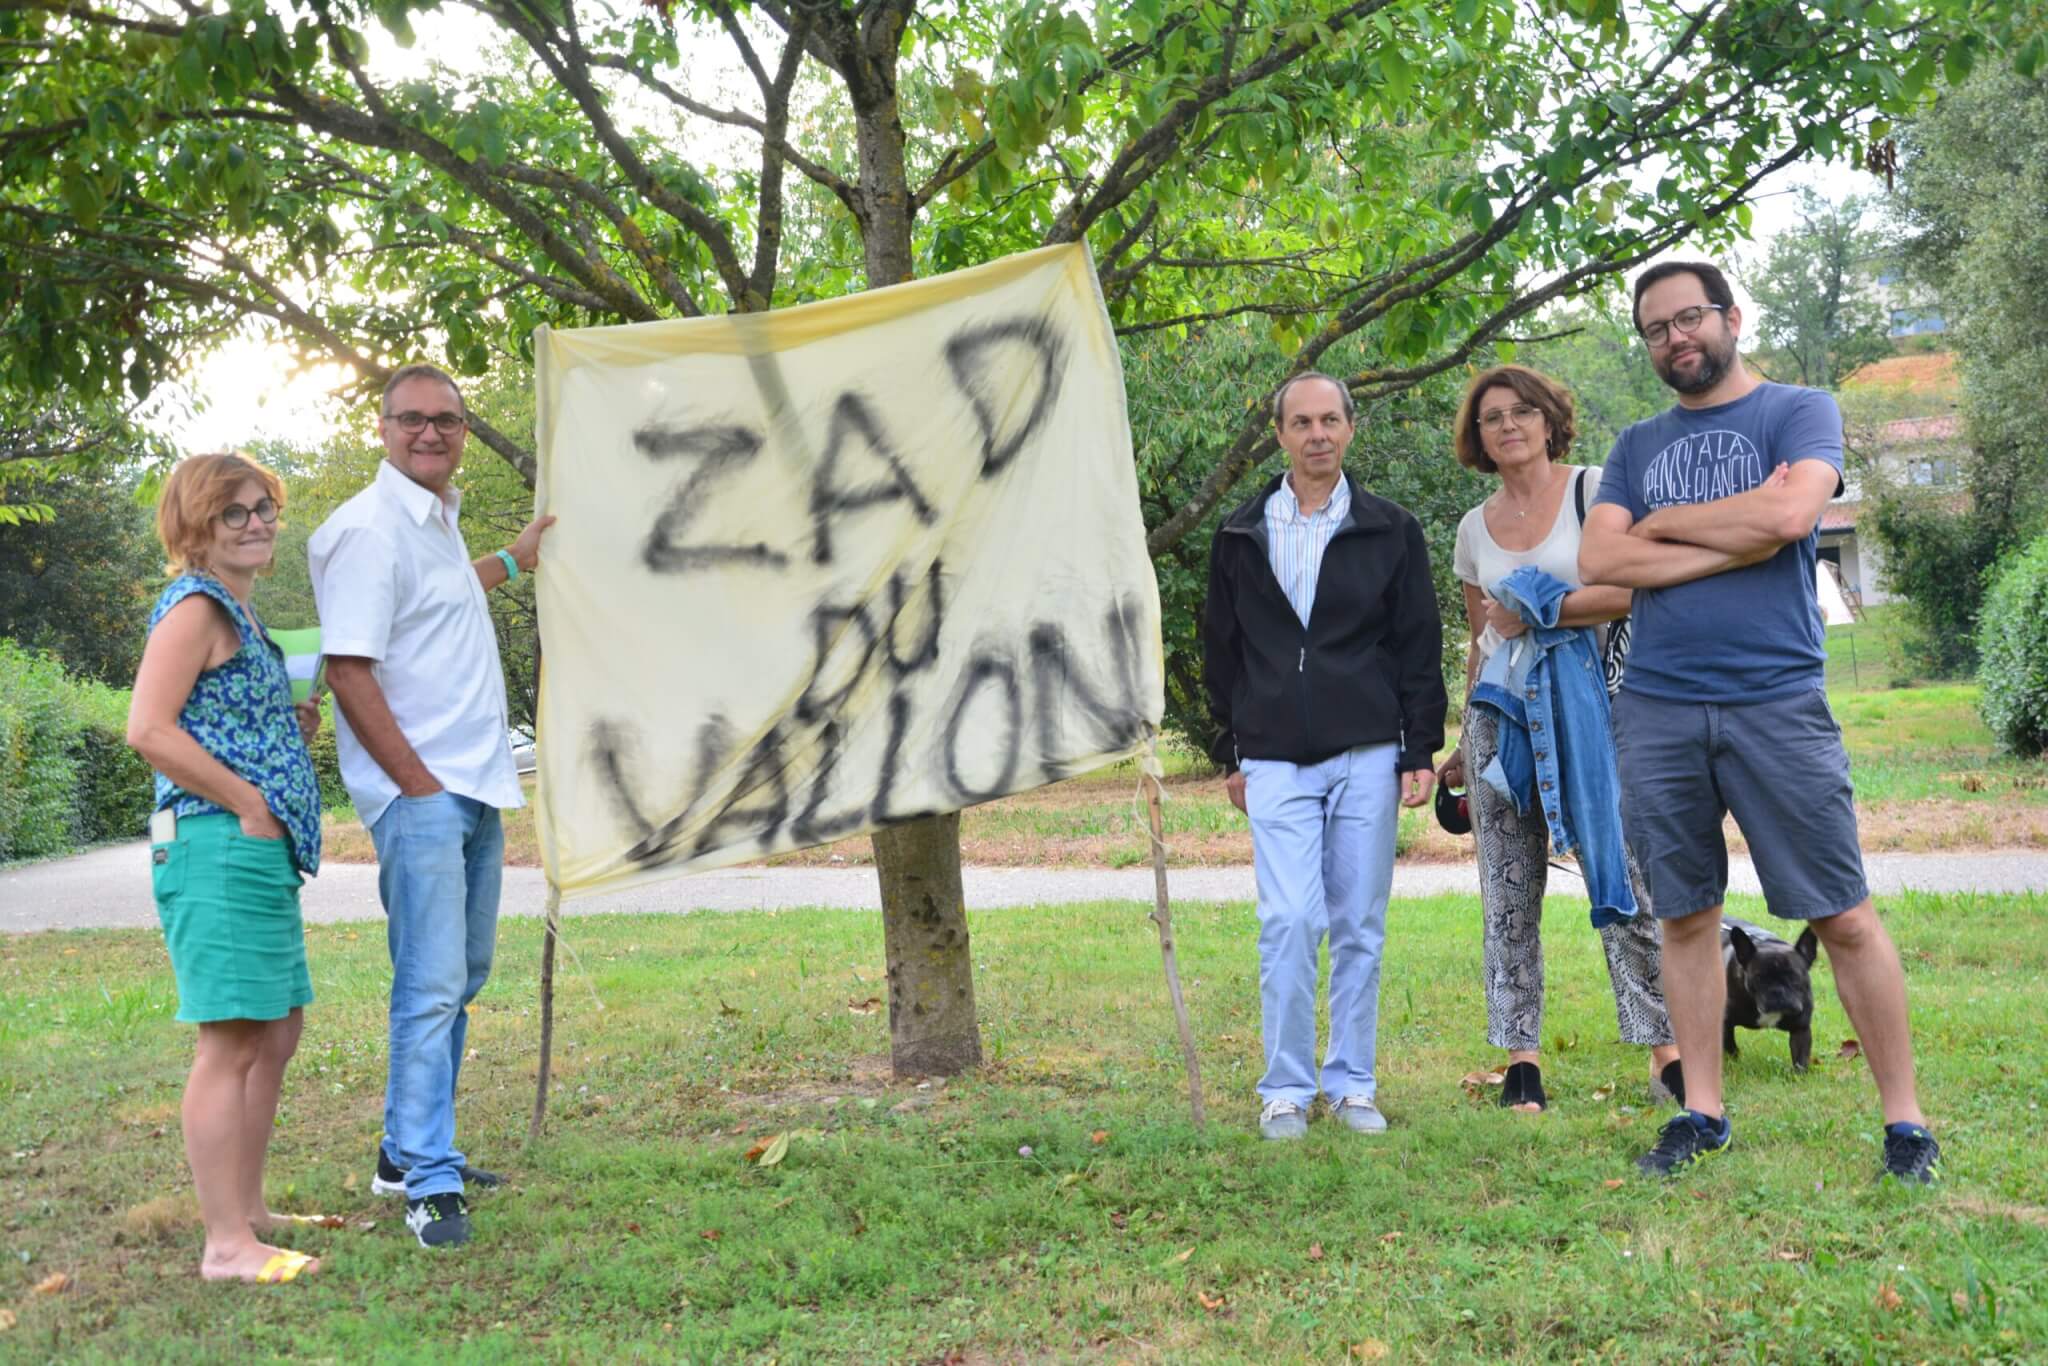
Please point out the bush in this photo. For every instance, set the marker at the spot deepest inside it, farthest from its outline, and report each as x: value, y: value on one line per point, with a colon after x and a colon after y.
x: 67, y: 776
x: 2012, y: 644
x: 1937, y: 559
x: 327, y: 760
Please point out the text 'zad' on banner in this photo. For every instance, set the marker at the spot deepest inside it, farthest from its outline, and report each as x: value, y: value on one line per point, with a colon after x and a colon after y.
x: 825, y: 569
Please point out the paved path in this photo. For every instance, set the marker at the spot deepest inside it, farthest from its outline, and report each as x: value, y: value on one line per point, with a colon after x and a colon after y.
x: 110, y: 887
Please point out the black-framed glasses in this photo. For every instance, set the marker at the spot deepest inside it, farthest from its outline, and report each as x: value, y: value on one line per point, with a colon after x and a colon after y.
x: 1521, y: 414
x: 447, y: 424
x: 236, y: 516
x: 1685, y: 321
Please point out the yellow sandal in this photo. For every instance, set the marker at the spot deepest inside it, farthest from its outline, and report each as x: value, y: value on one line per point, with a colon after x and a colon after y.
x: 283, y: 1267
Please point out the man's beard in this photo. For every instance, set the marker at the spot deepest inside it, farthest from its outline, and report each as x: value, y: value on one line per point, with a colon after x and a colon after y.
x: 1715, y: 356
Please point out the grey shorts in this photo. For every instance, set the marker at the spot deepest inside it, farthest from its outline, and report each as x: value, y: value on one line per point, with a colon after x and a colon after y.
x: 1777, y: 766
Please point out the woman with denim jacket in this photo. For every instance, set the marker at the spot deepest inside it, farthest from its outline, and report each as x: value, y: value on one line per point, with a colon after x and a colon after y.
x: 237, y: 823
x: 1519, y: 424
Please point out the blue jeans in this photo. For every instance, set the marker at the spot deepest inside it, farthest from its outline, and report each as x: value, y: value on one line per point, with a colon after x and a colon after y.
x: 439, y: 862
x: 1323, y: 851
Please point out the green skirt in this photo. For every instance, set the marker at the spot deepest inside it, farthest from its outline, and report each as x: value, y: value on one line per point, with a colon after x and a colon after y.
x: 229, y: 905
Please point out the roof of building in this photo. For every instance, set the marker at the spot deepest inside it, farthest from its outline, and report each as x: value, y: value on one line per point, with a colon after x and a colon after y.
x: 1920, y: 429
x: 1839, y: 517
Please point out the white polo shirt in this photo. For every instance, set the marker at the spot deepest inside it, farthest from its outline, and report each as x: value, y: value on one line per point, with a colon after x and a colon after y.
x: 394, y: 584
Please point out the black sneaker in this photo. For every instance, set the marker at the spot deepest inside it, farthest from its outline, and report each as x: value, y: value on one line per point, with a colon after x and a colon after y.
x: 1911, y: 1154
x: 439, y: 1220
x: 1688, y: 1138
x: 390, y: 1177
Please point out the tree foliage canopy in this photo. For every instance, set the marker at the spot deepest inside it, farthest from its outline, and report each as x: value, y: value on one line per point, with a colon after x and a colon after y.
x: 1819, y: 317
x: 1974, y: 199
x: 1426, y: 175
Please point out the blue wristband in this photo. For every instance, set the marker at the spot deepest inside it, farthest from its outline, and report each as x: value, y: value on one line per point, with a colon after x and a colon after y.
x: 511, y: 566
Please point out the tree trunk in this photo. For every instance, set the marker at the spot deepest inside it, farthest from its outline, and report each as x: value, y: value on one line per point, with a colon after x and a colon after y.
x: 932, y: 1026
x: 933, y: 1030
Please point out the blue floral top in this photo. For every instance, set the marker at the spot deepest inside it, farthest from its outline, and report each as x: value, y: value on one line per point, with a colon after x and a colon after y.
x: 241, y: 714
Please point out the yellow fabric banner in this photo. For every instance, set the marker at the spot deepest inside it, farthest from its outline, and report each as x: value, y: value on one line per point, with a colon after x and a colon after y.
x: 828, y: 568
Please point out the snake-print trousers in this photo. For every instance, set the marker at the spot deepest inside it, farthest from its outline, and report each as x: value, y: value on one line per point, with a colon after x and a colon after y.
x: 1514, y: 868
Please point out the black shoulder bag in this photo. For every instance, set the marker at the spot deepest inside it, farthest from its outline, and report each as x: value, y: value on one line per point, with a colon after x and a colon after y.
x: 1614, y: 653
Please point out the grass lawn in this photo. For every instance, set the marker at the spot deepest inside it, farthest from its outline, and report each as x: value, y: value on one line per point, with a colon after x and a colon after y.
x: 1056, y: 1205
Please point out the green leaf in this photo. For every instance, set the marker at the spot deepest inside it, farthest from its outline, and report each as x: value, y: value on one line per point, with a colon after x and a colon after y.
x: 188, y: 70
x: 1956, y: 62
x: 2027, y: 61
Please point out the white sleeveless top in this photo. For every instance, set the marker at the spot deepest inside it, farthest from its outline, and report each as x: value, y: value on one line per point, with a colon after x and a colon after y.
x: 1482, y: 561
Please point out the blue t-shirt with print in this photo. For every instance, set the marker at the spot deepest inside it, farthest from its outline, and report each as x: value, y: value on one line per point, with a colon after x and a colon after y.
x: 1747, y: 635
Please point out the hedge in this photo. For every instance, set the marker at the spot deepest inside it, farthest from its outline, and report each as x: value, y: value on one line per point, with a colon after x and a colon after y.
x: 2012, y: 651
x: 67, y: 776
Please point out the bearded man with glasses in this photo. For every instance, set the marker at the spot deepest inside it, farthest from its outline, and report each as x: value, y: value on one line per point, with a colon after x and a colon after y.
x: 412, y: 660
x: 1708, y: 512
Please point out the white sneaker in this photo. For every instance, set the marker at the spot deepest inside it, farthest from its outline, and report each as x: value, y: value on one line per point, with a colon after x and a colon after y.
x: 1283, y: 1119
x: 1360, y: 1115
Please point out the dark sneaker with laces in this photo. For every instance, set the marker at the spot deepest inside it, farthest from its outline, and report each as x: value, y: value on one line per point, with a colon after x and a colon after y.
x: 1911, y: 1154
x: 390, y: 1177
x: 439, y: 1220
x: 1689, y: 1137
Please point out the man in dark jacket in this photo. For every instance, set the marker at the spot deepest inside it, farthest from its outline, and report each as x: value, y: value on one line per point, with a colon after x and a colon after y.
x: 1323, y: 666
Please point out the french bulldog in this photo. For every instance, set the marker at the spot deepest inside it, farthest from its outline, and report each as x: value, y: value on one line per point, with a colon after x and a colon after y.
x: 1769, y: 986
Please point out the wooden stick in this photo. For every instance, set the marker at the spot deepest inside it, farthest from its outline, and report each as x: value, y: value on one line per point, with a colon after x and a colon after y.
x: 1162, y: 916
x: 547, y: 1018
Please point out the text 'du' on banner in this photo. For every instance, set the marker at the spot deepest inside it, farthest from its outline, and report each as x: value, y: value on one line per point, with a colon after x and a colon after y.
x: 825, y: 569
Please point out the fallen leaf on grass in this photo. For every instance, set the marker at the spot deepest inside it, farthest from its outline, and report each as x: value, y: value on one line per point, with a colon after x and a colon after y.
x: 737, y: 1129
x: 1960, y: 1301
x: 1393, y: 1237
x: 1602, y: 1092
x: 1178, y: 1257
x: 1099, y: 1137
x: 320, y: 1220
x: 1315, y: 1252
x: 1209, y: 1302
x: 1372, y: 1349
x: 1849, y: 1049
x: 1888, y: 1298
x: 724, y: 1009
x: 56, y: 1283
x: 711, y: 1235
x: 7, y: 1319
x: 632, y: 1228
x: 769, y: 1151
x: 348, y: 1182
x: 864, y: 1007
x: 1791, y: 1254
x: 1614, y: 1184
x: 1482, y: 1079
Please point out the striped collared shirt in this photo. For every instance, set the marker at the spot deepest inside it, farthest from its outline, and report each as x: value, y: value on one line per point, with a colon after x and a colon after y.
x: 1295, y: 542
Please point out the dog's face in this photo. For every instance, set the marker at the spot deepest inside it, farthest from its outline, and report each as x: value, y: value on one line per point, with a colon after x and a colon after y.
x: 1776, y: 975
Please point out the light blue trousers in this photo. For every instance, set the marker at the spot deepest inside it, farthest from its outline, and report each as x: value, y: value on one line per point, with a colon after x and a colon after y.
x: 1323, y: 848
x: 440, y: 860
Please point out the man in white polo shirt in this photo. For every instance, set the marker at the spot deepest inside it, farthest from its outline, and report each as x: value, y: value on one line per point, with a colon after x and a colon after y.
x: 413, y: 664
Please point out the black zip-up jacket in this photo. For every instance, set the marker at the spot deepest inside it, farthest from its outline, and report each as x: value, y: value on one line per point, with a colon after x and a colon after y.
x: 1368, y: 667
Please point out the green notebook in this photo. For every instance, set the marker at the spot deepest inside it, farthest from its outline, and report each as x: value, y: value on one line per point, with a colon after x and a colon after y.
x: 302, y: 660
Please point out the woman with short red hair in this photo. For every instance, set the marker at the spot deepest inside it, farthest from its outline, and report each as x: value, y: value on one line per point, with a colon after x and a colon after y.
x: 237, y: 823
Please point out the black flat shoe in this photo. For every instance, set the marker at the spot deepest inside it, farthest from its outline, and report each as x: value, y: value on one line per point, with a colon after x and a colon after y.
x: 1671, y: 1081
x: 1523, y: 1085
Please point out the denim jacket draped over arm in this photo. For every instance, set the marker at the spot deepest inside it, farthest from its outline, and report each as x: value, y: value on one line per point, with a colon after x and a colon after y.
x: 1556, y: 736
